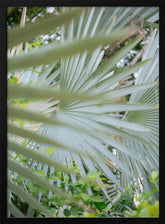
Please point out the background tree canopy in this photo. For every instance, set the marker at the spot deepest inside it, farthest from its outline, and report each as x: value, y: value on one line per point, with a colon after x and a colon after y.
x: 83, y: 117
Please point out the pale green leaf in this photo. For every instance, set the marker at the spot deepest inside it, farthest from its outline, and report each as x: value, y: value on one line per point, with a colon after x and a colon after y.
x: 15, y: 211
x: 55, y: 52
x: 38, y: 180
x: 42, y: 26
x: 28, y: 198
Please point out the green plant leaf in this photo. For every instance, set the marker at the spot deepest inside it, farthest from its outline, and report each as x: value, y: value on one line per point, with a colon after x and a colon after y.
x: 40, y: 93
x: 85, y: 196
x: 37, y: 156
x: 15, y: 211
x: 47, y: 54
x: 38, y: 180
x: 154, y: 175
x: 100, y: 205
x: 28, y: 198
x: 67, y: 212
x: 42, y: 26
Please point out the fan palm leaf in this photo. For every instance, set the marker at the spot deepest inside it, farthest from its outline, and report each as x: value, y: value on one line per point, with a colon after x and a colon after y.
x: 84, y: 118
x: 149, y: 118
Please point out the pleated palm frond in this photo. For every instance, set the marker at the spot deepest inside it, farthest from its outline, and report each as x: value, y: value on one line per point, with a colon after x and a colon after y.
x: 149, y: 154
x: 83, y: 113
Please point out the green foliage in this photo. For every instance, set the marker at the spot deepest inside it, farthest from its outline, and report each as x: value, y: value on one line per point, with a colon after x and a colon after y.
x: 35, y: 44
x: 130, y: 204
x: 145, y: 207
x: 94, y: 202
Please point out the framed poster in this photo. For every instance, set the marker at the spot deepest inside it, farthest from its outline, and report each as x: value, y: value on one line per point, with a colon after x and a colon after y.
x: 80, y: 111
